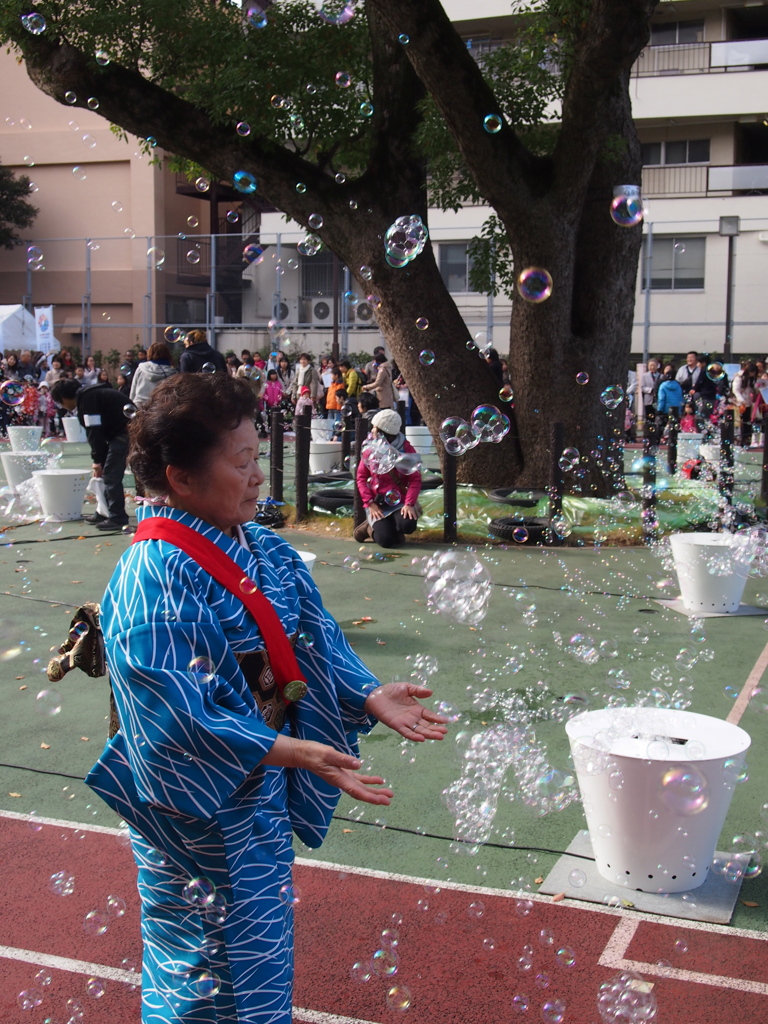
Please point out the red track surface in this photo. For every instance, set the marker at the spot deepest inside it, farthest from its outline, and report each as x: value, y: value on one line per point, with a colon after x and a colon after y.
x: 445, y: 958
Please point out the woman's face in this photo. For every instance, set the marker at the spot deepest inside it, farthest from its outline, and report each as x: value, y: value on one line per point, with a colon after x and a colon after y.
x: 12, y: 360
x: 283, y: 364
x: 304, y: 361
x: 225, y: 491
x: 90, y: 362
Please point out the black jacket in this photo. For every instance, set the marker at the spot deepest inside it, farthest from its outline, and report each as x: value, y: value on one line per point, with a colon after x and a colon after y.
x: 194, y: 358
x: 100, y: 411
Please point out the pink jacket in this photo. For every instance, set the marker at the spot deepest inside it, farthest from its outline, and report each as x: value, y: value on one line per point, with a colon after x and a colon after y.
x: 273, y: 393
x: 371, y: 484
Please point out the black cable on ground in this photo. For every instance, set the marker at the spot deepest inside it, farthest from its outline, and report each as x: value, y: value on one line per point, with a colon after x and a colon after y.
x: 338, y: 817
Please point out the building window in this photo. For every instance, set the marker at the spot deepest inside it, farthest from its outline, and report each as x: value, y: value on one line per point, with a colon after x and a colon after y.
x: 687, y: 151
x: 455, y: 266
x: 677, y: 263
x: 317, y: 274
x: 182, y: 310
x: 672, y: 33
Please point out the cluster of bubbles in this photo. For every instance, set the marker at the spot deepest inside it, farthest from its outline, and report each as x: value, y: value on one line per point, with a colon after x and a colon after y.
x: 405, y: 240
x: 381, y: 457
x: 626, y: 999
x: 96, y: 922
x: 458, y: 586
x: 384, y: 964
x: 487, y: 423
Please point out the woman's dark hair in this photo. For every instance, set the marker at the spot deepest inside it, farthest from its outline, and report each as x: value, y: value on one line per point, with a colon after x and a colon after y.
x: 66, y: 387
x: 368, y: 401
x: 158, y: 350
x: 196, y: 336
x: 184, y: 422
x: 380, y: 357
x: 12, y: 356
x: 272, y: 375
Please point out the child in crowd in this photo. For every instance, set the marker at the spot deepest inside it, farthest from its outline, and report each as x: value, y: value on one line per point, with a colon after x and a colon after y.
x: 304, y: 401
x: 46, y: 414
x: 273, y: 391
x: 337, y: 384
x: 688, y: 420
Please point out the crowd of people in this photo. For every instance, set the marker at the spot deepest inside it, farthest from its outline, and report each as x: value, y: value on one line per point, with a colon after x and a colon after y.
x: 697, y: 393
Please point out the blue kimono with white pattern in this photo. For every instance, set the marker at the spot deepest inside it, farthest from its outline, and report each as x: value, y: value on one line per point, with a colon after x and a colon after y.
x: 184, y: 772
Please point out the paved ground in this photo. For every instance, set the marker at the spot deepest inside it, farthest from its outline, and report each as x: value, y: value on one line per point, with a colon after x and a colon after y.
x: 607, y: 594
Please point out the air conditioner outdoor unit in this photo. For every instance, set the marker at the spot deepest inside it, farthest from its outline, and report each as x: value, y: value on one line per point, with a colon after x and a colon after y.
x: 364, y: 313
x: 289, y: 311
x: 321, y: 311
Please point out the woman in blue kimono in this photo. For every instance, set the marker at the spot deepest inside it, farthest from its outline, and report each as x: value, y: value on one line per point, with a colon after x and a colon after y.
x: 214, y: 766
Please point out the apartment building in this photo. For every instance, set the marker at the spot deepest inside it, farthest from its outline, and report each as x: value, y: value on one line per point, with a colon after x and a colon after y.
x: 128, y: 248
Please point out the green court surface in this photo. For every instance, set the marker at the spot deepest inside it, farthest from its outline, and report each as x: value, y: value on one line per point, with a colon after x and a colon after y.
x: 608, y: 594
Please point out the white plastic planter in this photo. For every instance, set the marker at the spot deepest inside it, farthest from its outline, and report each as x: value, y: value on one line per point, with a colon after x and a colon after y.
x: 688, y: 447
x: 19, y: 466
x: 712, y: 570
x: 73, y: 430
x: 25, y: 439
x: 421, y: 439
x: 61, y: 492
x: 324, y: 456
x: 656, y: 786
x: 710, y: 453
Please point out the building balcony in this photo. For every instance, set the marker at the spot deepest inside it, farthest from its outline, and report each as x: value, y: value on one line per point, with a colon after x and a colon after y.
x: 697, y: 180
x: 701, y: 58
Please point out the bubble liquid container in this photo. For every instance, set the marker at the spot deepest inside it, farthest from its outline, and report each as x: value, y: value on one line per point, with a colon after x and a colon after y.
x: 322, y: 430
x: 25, y: 439
x: 421, y: 439
x: 73, y: 430
x: 712, y: 570
x: 19, y: 466
x: 688, y: 447
x: 656, y: 785
x: 324, y: 456
x: 62, y: 492
x: 308, y: 558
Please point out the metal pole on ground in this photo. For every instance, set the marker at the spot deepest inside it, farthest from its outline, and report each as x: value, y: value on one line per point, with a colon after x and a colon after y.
x: 450, y: 509
x: 346, y: 442
x: 674, y: 430
x: 303, y: 427
x: 725, y: 477
x: 360, y: 435
x: 556, y: 482
x: 649, y: 491
x: 276, y: 457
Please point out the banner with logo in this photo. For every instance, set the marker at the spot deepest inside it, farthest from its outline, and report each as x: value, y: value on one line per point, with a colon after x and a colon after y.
x: 44, y: 329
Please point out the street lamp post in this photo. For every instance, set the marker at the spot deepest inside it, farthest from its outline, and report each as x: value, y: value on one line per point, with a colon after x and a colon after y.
x: 729, y: 228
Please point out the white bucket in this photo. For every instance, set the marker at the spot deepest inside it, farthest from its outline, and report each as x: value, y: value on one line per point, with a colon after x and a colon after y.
x: 25, y: 439
x: 728, y: 555
x: 73, y: 430
x: 421, y: 439
x: 309, y: 559
x: 656, y: 786
x: 62, y: 492
x: 322, y: 430
x: 688, y: 447
x: 324, y: 456
x: 710, y: 453
x: 19, y: 466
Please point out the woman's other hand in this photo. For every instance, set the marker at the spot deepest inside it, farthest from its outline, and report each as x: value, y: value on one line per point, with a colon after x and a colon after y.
x: 395, y: 705
x: 375, y: 512
x: 408, y: 512
x: 335, y: 767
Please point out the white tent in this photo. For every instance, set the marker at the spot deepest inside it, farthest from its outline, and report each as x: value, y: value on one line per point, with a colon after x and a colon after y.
x: 17, y: 328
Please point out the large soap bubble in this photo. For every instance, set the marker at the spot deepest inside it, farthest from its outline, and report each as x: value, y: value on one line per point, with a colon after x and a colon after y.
x: 458, y: 586
x: 379, y: 455
x: 404, y: 240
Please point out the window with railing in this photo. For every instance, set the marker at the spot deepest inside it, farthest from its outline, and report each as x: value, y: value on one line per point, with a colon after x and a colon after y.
x: 677, y: 263
x: 455, y: 267
x: 673, y: 33
x: 685, y: 151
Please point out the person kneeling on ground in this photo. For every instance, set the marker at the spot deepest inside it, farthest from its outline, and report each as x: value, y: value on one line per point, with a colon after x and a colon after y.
x: 389, y: 499
x: 100, y: 410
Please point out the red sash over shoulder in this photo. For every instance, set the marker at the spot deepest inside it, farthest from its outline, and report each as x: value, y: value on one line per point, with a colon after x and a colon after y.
x: 228, y: 573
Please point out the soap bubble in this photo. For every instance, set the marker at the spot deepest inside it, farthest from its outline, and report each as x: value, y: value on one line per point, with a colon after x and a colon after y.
x: 626, y: 997
x: 102, y: 58
x: 715, y: 372
x: 117, y: 206
x: 456, y: 434
x: 193, y: 256
x: 422, y: 324
x: 553, y: 1011
x: 612, y: 396
x: 244, y: 182
x: 255, y: 17
x: 627, y: 211
x: 360, y: 972
x: 385, y: 962
x: 12, y: 392
x: 34, y: 23
x: 341, y: 17
x: 28, y: 999
x: 399, y: 998
x: 577, y: 878
x: 199, y: 892
x: 129, y: 411
x: 565, y: 956
x: 48, y: 703
x: 92, y: 103
x: 315, y: 221
x: 343, y: 79
x: 96, y: 922
x: 34, y: 254
x: 253, y: 254
x: 202, y: 184
x: 289, y: 894
x: 62, y: 883
x: 520, y: 1003
x: 155, y: 257
x: 306, y: 641
x: 484, y: 419
x: 208, y: 368
x: 79, y: 172
x: 310, y: 245
x: 534, y: 284
x: 366, y: 109
x: 506, y: 394
x: 95, y: 988
x: 426, y: 357
x: 569, y: 459
x: 351, y: 564
x: 201, y: 666
x: 684, y: 790
x: 70, y: 97
x: 404, y: 240
x: 393, y: 496
x: 192, y: 221
x: 582, y: 378
x: 115, y: 906
x: 520, y: 535
x: 493, y: 123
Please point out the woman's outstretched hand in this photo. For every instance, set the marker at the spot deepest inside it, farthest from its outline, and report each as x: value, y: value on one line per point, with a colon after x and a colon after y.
x: 395, y: 705
x: 335, y: 767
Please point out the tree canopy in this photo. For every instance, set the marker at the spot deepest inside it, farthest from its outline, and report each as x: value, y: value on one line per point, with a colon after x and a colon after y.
x: 15, y: 211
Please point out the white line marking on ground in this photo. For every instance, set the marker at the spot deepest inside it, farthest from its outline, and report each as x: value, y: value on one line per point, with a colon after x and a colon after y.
x: 618, y: 944
x: 639, y: 915
x: 62, y: 963
x: 316, y: 1017
x: 753, y: 679
x: 59, y: 823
